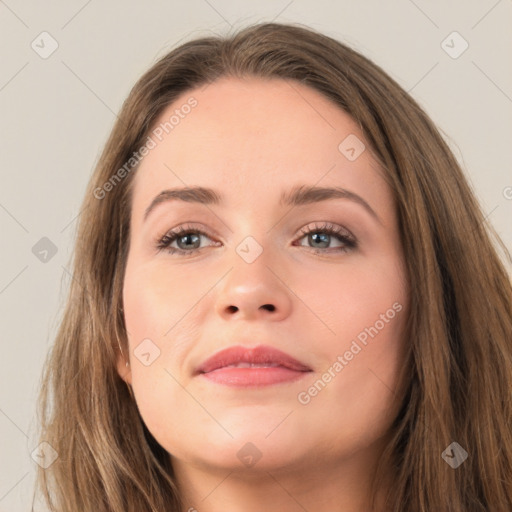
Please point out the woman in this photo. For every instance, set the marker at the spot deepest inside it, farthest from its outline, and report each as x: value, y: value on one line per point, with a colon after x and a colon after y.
x: 255, y: 369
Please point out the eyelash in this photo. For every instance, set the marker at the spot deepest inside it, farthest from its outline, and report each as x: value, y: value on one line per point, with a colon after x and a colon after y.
x: 330, y: 229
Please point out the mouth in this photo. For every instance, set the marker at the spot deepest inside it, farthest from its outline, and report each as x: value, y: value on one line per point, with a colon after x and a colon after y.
x: 259, y: 366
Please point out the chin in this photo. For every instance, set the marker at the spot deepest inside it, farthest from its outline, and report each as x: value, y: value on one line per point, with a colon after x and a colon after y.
x: 248, y: 453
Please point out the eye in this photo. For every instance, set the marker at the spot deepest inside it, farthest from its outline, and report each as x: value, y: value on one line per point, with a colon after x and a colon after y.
x: 321, y: 236
x: 188, y: 240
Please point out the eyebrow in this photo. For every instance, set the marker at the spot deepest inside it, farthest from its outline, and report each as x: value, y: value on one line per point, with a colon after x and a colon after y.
x: 298, y: 196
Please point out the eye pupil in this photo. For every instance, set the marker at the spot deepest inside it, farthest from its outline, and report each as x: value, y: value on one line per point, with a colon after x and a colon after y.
x: 315, y: 236
x: 188, y: 236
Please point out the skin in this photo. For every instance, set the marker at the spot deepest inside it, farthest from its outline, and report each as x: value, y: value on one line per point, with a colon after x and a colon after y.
x: 249, y: 140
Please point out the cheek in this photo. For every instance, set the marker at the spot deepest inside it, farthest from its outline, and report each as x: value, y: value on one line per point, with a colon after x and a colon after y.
x: 352, y: 399
x: 161, y: 330
x: 153, y: 310
x: 365, y: 309
x: 155, y: 300
x: 349, y: 300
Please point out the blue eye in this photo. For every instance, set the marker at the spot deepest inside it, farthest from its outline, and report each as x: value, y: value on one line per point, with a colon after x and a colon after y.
x: 190, y: 239
x: 326, y: 232
x: 187, y: 237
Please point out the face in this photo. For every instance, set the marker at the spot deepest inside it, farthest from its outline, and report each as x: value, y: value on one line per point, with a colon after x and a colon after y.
x: 320, y: 280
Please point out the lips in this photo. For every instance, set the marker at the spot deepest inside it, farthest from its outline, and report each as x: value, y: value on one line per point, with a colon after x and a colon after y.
x: 262, y: 356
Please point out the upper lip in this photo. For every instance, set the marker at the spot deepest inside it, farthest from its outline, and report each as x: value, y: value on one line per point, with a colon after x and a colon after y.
x: 258, y: 354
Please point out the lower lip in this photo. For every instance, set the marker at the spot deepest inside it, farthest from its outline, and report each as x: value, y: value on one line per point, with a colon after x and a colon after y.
x: 263, y: 376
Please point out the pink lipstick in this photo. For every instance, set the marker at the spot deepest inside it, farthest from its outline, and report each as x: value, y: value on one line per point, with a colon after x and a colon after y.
x: 259, y: 366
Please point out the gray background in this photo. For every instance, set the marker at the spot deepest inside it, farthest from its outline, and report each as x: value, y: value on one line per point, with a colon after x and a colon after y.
x: 56, y: 113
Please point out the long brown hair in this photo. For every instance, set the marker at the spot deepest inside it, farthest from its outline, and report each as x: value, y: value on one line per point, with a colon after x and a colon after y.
x: 457, y: 368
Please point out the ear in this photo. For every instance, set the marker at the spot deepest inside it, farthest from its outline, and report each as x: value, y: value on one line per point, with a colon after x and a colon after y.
x: 123, y: 369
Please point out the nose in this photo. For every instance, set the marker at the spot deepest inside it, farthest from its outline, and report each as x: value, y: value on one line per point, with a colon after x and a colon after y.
x: 254, y: 291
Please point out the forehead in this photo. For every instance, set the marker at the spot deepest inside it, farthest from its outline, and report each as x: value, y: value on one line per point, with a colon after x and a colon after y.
x: 253, y: 138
